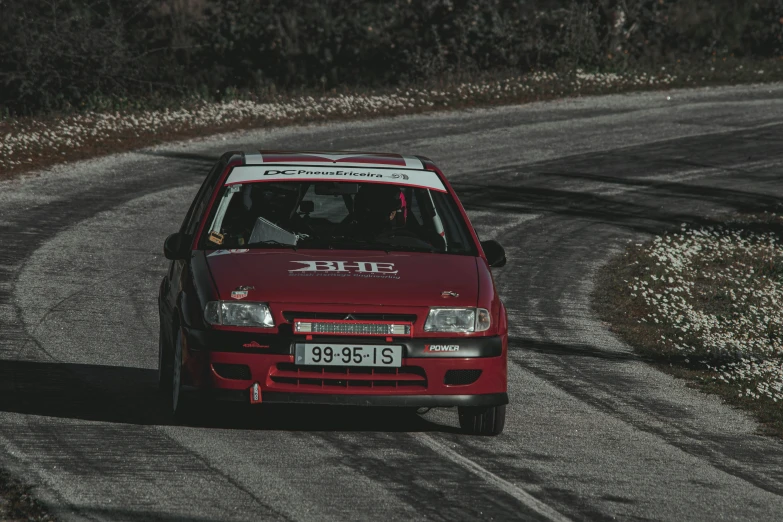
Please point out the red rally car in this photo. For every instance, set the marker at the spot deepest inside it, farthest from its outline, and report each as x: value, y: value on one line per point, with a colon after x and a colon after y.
x: 333, y: 278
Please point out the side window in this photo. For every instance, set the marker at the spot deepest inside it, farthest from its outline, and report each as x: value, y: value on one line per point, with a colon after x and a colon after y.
x: 199, y: 204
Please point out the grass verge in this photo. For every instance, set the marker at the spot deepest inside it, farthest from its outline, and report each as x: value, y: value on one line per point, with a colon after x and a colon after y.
x: 705, y: 303
x: 17, y: 502
x: 122, y: 125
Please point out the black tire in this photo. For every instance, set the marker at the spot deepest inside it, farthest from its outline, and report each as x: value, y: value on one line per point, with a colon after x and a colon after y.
x: 165, y: 363
x: 482, y: 421
x: 182, y: 404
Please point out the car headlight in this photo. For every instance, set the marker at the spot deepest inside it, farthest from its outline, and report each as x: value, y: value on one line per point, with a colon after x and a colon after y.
x: 462, y: 320
x: 228, y: 313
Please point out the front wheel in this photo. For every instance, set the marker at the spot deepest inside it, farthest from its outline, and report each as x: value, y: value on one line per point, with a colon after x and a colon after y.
x: 182, y: 405
x: 165, y: 361
x: 482, y: 420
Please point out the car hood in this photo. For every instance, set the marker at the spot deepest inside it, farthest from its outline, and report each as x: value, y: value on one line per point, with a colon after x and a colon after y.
x: 345, y: 277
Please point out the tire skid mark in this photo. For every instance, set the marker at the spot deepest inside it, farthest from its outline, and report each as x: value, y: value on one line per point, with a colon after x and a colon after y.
x: 114, y: 408
x: 437, y: 488
x: 584, y: 377
x: 542, y: 509
x: 21, y: 239
x: 584, y: 384
x: 534, y: 203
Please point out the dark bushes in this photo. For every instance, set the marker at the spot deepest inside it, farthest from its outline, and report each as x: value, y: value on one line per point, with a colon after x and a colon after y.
x: 56, y: 54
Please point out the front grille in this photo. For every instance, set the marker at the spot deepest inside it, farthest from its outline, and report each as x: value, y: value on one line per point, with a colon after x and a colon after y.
x: 401, y: 318
x: 461, y: 377
x: 239, y: 372
x: 335, y: 327
x: 406, y: 377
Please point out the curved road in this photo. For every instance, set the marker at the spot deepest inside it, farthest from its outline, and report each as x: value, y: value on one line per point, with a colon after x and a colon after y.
x: 592, y: 432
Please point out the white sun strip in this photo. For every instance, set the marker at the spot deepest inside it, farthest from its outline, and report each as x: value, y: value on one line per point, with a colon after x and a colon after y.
x: 507, y: 487
x: 397, y: 176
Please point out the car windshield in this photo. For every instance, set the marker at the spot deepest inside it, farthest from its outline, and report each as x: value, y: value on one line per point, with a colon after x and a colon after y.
x: 336, y: 215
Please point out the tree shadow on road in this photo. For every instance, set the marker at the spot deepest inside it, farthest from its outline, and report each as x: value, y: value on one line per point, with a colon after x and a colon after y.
x: 130, y: 395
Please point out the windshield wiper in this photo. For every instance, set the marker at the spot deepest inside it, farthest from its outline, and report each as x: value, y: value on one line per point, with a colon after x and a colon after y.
x: 374, y: 244
x: 351, y: 242
x: 271, y: 242
x: 413, y: 248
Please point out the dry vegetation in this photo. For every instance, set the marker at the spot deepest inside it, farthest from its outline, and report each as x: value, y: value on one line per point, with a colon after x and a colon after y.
x: 106, y: 54
x: 706, y: 304
x: 79, y: 78
x: 17, y: 502
x: 36, y: 142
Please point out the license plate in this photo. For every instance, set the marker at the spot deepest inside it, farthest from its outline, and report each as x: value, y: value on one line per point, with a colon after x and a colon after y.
x: 331, y: 354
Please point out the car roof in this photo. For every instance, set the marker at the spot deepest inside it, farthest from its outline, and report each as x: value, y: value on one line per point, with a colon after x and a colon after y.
x: 332, y: 158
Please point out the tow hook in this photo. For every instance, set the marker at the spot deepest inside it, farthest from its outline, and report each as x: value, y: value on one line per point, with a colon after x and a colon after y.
x: 255, y: 394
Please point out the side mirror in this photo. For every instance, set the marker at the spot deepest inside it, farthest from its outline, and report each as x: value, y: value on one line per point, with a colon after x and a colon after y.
x: 496, y: 256
x: 177, y: 246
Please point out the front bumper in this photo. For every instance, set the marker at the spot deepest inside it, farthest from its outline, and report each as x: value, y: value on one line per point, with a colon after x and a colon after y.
x: 417, y: 401
x: 225, y: 365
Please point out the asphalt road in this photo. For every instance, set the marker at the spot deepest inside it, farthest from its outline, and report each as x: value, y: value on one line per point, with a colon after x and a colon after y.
x: 592, y: 431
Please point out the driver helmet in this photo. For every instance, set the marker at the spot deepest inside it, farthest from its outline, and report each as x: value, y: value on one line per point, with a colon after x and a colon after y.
x: 375, y: 203
x: 272, y: 201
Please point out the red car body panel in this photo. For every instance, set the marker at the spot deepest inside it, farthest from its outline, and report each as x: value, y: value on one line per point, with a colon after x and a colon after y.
x: 347, y: 158
x: 336, y: 283
x: 266, y: 370
x: 415, y: 279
